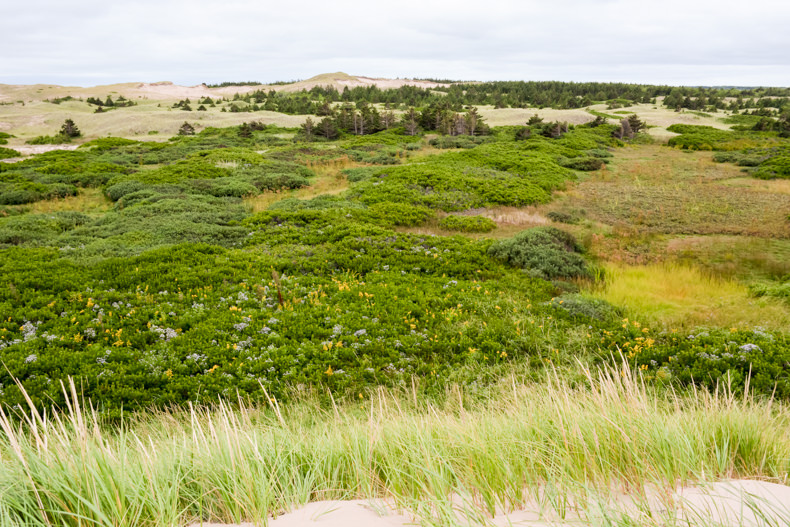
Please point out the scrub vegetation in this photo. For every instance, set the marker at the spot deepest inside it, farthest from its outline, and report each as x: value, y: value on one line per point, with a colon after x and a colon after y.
x: 234, y: 320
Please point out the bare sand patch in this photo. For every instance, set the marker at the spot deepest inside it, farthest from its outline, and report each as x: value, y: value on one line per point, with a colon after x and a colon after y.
x: 744, y: 503
x: 29, y: 150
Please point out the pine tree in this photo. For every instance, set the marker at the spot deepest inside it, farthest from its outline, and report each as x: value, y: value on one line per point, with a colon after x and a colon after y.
x: 69, y: 129
x: 186, y: 129
x: 307, y: 129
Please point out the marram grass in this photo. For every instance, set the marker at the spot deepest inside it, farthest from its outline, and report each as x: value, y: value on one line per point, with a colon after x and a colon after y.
x: 541, y: 443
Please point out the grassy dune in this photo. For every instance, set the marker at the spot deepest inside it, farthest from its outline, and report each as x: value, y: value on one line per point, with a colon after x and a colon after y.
x: 566, y: 447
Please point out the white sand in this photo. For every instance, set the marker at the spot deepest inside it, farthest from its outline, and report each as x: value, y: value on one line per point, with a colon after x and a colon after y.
x: 738, y: 503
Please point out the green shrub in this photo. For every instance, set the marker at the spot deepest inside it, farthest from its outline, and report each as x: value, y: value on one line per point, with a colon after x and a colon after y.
x: 21, y: 192
x: 457, y: 141
x: 582, y: 163
x: 399, y: 214
x: 779, y: 289
x: 107, y: 143
x: 546, y: 252
x: 58, y: 139
x: 119, y: 190
x: 773, y: 168
x: 359, y: 174
x: 578, y: 305
x: 38, y: 229
x: 467, y: 223
x: 710, y: 357
x: 7, y: 153
x: 562, y: 217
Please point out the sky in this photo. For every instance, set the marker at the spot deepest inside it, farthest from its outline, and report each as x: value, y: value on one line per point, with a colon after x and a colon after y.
x: 676, y: 42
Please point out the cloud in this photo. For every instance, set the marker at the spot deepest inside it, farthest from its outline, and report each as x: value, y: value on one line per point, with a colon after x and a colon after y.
x: 669, y: 42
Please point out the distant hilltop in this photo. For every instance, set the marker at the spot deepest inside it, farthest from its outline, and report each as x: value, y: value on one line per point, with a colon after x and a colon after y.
x: 169, y: 90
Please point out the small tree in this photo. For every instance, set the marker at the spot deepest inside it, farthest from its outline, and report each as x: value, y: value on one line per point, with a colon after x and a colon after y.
x: 635, y: 123
x: 186, y: 129
x: 535, y: 119
x: 244, y: 130
x: 307, y: 129
x: 69, y: 129
x: 409, y: 120
x: 328, y: 128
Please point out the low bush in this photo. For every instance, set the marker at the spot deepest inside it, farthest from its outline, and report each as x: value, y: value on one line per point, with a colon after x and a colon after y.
x: 546, y: 252
x: 7, y: 153
x: 773, y: 168
x: 57, y: 139
x: 455, y: 222
x: 585, y: 163
x: 578, y: 305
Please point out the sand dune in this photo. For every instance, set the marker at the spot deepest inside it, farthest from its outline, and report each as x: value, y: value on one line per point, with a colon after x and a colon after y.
x: 739, y: 503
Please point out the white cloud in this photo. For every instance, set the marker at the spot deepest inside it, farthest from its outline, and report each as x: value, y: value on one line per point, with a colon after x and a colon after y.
x: 669, y: 42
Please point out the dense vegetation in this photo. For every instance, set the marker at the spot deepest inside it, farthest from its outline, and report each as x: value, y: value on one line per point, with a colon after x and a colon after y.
x: 518, y: 94
x: 177, y: 292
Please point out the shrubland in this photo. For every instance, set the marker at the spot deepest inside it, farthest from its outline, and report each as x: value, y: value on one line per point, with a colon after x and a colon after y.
x: 179, y: 294
x: 181, y: 303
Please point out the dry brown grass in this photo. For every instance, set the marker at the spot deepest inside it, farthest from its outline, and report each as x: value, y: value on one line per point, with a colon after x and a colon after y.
x: 657, y: 190
x: 329, y: 180
x: 89, y: 200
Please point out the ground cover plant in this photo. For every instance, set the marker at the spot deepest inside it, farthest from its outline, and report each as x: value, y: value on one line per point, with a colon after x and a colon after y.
x: 178, y: 293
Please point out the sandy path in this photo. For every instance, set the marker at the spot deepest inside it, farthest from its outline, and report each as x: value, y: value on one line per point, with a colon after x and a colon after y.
x: 741, y: 502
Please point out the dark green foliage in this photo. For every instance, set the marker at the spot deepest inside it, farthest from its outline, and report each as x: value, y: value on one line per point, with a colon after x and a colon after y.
x: 108, y: 143
x: 544, y: 251
x: 38, y: 229
x: 4, y: 138
x: 777, y: 289
x: 186, y: 129
x: 458, y: 141
x: 455, y: 222
x: 21, y: 191
x: 586, y: 164
x: 7, y: 153
x: 168, y: 297
x: 774, y: 167
x: 58, y: 139
x: 562, y: 217
x: 590, y: 308
x: 360, y: 174
x: 712, y: 357
x: 69, y: 129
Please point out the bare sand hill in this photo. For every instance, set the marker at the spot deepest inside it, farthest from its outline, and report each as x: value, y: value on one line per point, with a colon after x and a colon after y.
x: 167, y: 90
x: 744, y: 503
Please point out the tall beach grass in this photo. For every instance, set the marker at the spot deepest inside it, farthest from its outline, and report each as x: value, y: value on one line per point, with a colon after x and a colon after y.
x: 550, y: 445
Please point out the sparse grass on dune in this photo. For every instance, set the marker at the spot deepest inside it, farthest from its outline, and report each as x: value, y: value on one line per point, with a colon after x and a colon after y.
x: 44, y: 118
x: 564, y: 447
x: 681, y: 296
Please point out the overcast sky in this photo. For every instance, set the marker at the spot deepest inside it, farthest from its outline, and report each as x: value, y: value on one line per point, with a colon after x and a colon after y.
x: 688, y: 42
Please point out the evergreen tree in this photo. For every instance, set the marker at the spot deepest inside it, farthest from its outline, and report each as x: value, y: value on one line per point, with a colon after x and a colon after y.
x: 69, y: 129
x: 186, y: 129
x: 307, y: 129
x: 327, y: 128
